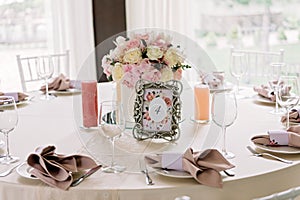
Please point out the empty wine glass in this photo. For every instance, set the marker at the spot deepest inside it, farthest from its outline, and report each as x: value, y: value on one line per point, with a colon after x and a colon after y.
x: 224, y: 113
x: 238, y: 67
x: 8, y: 122
x: 45, y: 70
x: 274, y: 74
x: 288, y: 94
x: 112, y: 125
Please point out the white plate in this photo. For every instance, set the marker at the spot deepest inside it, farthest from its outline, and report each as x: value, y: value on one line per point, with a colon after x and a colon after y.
x: 226, y: 87
x: 173, y: 173
x: 261, y: 99
x: 67, y: 91
x: 279, y: 149
x: 25, y: 101
x: 24, y: 171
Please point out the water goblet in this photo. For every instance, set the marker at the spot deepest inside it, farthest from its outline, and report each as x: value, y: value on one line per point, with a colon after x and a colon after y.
x: 274, y: 74
x: 224, y: 113
x: 238, y: 67
x: 288, y: 94
x: 112, y: 125
x: 45, y: 70
x: 8, y: 122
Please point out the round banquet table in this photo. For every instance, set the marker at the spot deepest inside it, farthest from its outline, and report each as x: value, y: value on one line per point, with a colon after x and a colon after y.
x: 52, y: 122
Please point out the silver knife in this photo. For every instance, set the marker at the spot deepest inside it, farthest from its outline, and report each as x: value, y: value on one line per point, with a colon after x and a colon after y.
x: 84, y: 176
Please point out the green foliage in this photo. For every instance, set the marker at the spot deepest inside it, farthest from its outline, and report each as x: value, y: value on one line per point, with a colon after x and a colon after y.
x: 281, y: 34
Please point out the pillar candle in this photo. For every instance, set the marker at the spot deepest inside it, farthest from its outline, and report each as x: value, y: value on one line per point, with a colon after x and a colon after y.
x: 89, y: 103
x: 201, y: 96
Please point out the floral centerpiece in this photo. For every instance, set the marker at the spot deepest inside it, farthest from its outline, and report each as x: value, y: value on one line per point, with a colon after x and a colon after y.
x: 144, y: 56
x: 149, y: 56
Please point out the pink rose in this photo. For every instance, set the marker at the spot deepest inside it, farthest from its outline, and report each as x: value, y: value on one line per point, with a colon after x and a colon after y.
x: 178, y: 74
x: 134, y: 43
x: 128, y: 68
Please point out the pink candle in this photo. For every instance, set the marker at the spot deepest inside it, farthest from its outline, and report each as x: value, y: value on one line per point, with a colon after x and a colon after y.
x: 89, y: 103
x: 201, y: 96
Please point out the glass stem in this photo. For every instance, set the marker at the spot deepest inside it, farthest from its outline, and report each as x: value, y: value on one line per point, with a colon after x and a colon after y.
x: 238, y: 85
x: 276, y: 99
x: 113, y: 152
x: 7, y: 146
x: 47, y: 88
x: 224, y: 140
x: 287, y: 118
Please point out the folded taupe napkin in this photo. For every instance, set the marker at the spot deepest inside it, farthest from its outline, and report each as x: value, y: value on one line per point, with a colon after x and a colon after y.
x: 56, y: 169
x: 294, y: 116
x: 61, y: 83
x: 18, y: 96
x: 213, y: 80
x: 265, y: 91
x: 278, y: 138
x: 203, y: 166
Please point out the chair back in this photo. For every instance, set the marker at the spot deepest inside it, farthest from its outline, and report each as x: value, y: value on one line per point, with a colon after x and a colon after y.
x: 28, y: 68
x: 258, y: 63
x: 289, y: 194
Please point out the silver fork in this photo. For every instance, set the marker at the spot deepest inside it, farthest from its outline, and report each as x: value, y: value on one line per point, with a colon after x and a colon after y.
x: 144, y: 170
x: 268, y: 154
x: 7, y: 172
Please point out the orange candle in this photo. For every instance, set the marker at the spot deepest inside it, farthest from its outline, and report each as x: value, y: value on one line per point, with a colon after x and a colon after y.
x: 201, y: 96
x: 89, y: 103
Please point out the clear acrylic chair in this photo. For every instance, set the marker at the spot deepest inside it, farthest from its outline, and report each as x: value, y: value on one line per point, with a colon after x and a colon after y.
x: 258, y: 62
x: 290, y: 194
x: 28, y: 68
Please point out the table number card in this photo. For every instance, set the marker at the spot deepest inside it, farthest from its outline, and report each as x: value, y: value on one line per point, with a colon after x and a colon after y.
x: 157, y: 110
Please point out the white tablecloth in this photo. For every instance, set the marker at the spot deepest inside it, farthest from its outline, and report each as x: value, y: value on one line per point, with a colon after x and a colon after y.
x: 52, y: 122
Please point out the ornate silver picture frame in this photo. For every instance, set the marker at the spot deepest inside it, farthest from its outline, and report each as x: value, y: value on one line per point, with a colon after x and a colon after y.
x: 157, y: 110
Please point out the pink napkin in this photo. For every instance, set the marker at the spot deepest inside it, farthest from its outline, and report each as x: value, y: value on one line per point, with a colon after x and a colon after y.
x: 56, y: 169
x: 265, y: 91
x: 61, y: 83
x: 294, y: 116
x: 18, y: 96
x: 214, y: 81
x: 203, y: 166
x: 279, y: 138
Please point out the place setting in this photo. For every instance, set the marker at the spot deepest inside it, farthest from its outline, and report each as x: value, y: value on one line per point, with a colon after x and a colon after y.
x: 20, y: 98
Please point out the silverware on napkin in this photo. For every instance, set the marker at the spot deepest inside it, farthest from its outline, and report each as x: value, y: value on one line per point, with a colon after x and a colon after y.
x: 84, y: 176
x: 268, y: 154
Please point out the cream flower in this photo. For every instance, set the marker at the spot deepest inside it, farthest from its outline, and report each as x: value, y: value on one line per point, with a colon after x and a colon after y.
x: 166, y: 74
x: 172, y: 57
x: 154, y: 53
x: 132, y: 56
x: 117, y: 72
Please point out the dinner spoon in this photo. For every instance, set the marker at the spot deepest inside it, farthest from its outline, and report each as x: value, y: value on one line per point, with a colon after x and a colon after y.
x: 7, y: 172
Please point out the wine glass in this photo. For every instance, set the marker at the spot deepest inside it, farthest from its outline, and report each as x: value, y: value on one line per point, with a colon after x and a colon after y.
x: 274, y: 74
x: 8, y: 122
x: 45, y: 71
x: 224, y: 113
x: 112, y: 125
x: 288, y: 94
x: 238, y: 67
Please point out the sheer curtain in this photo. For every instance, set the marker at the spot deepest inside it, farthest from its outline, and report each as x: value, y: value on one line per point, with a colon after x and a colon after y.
x: 72, y: 29
x: 173, y: 15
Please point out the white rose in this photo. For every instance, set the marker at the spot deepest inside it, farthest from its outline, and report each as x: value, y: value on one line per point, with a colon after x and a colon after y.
x: 172, y: 57
x: 117, y: 72
x: 154, y: 53
x: 133, y: 56
x: 166, y: 74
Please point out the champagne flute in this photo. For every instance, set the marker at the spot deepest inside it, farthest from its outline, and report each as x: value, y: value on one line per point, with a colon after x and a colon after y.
x: 112, y: 125
x: 224, y: 113
x: 274, y: 74
x: 288, y: 94
x: 45, y: 71
x: 8, y: 122
x: 238, y: 67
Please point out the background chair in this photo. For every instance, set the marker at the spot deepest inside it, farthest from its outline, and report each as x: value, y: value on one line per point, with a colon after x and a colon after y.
x: 258, y: 63
x: 28, y: 68
x: 290, y: 194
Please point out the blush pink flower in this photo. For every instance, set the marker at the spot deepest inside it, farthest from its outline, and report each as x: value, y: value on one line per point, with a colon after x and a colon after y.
x: 134, y: 43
